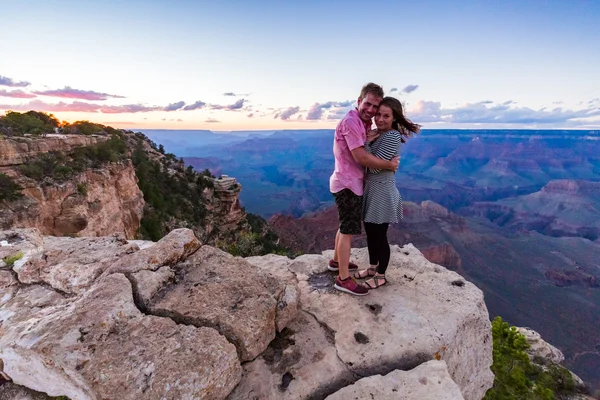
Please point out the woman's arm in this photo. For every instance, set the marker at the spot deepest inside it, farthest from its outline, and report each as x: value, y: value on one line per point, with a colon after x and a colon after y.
x: 388, y: 147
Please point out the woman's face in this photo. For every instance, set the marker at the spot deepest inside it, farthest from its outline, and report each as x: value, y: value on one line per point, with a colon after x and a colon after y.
x: 384, y: 118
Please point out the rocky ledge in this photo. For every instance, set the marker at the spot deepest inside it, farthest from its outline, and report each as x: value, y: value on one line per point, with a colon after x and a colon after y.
x: 107, y: 318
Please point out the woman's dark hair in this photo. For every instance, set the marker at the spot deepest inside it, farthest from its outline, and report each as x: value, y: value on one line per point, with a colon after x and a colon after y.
x: 402, y: 124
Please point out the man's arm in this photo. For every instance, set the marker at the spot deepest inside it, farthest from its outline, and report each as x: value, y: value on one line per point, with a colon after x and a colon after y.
x: 368, y: 160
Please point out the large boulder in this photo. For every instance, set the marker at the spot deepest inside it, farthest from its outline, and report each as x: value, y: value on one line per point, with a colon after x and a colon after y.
x: 213, y: 288
x: 100, y: 346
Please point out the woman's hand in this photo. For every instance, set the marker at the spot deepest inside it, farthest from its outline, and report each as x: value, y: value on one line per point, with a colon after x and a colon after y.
x: 372, y: 135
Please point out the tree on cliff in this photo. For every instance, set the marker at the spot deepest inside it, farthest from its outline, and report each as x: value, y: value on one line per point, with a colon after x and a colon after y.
x: 516, y: 377
x: 32, y: 122
x: 9, y: 190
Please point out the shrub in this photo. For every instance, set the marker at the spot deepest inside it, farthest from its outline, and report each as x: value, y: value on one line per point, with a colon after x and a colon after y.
x: 9, y: 190
x: 10, y: 260
x: 515, y: 376
x: 32, y: 122
x: 82, y: 189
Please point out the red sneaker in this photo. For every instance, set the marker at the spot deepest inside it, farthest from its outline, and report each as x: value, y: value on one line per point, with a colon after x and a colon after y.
x: 334, y: 266
x: 349, y: 285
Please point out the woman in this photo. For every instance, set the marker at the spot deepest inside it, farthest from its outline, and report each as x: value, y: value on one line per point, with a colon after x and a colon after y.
x: 382, y: 204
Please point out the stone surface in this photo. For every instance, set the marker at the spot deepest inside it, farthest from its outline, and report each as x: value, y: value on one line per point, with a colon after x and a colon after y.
x: 218, y: 290
x: 8, y: 286
x: 72, y: 265
x: 100, y: 346
x: 429, y: 380
x: 147, y: 283
x: 172, y: 248
x: 300, y: 363
x: 10, y: 391
x: 425, y: 312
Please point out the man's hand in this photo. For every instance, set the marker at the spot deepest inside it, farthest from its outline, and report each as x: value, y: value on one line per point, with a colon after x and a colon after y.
x: 372, y: 135
x: 394, y: 162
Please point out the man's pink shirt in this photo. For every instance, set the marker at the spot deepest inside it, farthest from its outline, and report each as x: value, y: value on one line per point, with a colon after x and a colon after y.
x: 350, y: 133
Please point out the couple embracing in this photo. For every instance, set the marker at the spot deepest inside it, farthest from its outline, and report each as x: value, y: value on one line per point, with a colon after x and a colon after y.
x: 364, y: 186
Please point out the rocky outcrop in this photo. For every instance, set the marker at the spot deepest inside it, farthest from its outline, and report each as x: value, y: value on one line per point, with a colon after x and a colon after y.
x: 443, y: 254
x: 18, y: 150
x: 97, y: 202
x: 539, y: 347
x: 95, y: 318
x: 225, y: 205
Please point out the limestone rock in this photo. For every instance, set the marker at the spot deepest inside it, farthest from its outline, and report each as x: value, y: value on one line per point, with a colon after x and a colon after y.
x: 10, y: 391
x: 72, y: 265
x: 8, y: 286
x: 539, y: 347
x: 300, y: 363
x: 147, y: 283
x: 429, y: 380
x: 99, y: 346
x: 218, y: 290
x: 277, y: 267
x: 172, y: 248
x: 425, y: 312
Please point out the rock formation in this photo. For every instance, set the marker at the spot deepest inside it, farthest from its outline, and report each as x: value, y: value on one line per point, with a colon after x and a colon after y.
x: 97, y: 202
x: 15, y: 151
x: 96, y: 318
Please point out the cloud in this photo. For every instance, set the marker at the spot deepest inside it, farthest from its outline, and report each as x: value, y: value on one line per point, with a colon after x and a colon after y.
x: 410, y: 88
x: 231, y: 94
x: 174, y: 106
x: 196, y: 106
x: 483, y: 112
x: 211, y: 121
x: 394, y: 89
x: 287, y: 113
x: 5, y: 81
x: 315, y: 111
x: 510, y: 102
x: 70, y: 93
x: 78, y: 106
x: 16, y: 94
x: 232, y: 107
x: 250, y: 115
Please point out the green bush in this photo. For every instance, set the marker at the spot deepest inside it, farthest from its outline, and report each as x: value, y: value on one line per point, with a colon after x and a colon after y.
x: 32, y: 122
x: 10, y: 260
x: 61, y: 167
x: 9, y: 190
x: 515, y: 376
x: 82, y: 189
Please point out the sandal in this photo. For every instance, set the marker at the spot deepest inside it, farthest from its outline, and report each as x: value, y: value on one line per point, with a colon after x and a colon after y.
x: 365, y: 273
x: 376, y: 282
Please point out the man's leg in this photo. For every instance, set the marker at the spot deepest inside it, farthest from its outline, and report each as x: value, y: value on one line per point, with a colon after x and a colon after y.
x: 336, y: 257
x: 345, y: 243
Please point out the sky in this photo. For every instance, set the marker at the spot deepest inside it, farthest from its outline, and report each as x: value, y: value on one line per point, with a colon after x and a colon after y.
x: 250, y: 65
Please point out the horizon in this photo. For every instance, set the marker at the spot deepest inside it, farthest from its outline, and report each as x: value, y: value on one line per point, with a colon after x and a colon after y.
x: 265, y: 65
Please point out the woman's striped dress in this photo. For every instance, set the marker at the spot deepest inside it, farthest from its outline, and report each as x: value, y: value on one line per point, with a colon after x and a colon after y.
x: 381, y: 200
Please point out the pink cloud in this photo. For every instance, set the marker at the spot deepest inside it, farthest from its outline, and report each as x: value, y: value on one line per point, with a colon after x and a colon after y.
x: 16, y: 94
x: 70, y: 93
x: 78, y: 106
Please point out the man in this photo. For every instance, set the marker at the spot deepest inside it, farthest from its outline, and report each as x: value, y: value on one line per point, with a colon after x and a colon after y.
x: 346, y: 182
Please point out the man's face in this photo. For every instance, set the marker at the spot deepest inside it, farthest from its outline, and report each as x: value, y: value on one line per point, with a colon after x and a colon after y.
x: 367, y: 106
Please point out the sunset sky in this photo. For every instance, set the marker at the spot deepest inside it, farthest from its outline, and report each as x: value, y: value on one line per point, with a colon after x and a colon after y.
x: 247, y: 65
